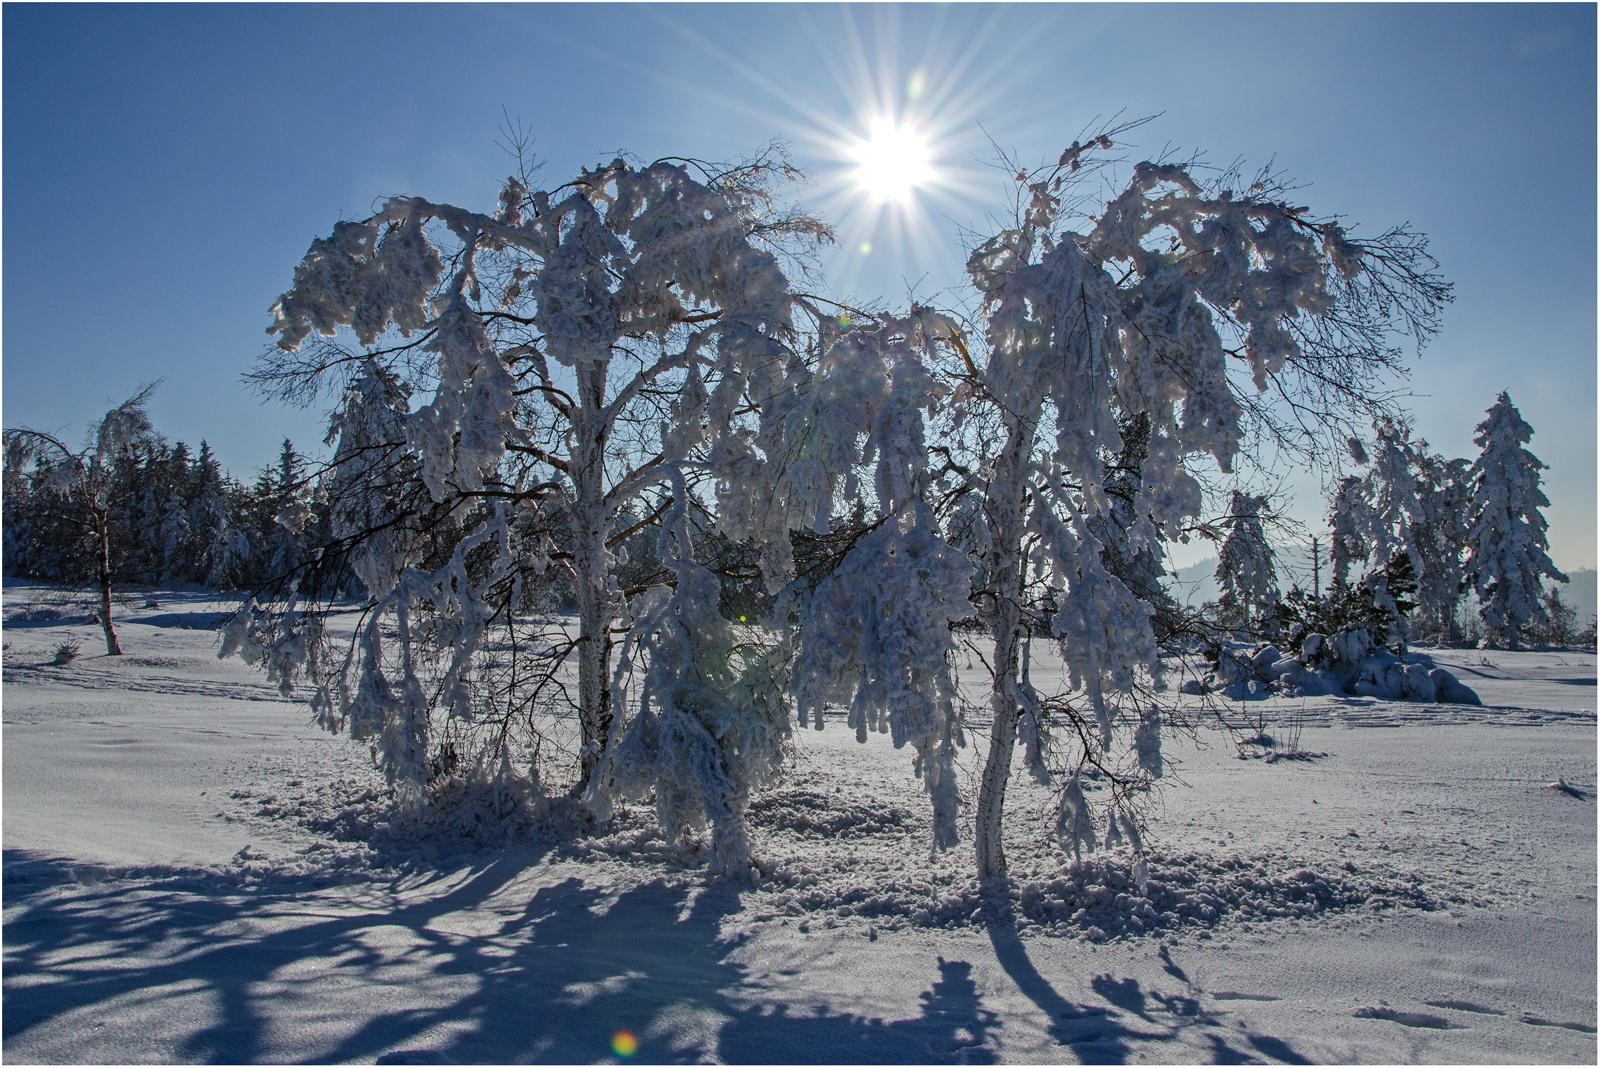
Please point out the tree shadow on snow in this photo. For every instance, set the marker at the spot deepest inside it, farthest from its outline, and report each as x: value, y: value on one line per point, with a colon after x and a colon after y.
x: 436, y: 967
x: 1098, y: 1034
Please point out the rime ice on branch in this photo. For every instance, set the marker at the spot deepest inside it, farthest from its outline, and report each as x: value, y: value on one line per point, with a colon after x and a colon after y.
x: 1140, y: 318
x: 573, y: 351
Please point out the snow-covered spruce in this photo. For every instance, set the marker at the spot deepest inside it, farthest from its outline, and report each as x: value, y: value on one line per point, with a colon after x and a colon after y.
x: 1392, y: 494
x: 1439, y: 539
x: 711, y: 725
x: 1507, y: 554
x: 1349, y: 517
x: 1245, y: 573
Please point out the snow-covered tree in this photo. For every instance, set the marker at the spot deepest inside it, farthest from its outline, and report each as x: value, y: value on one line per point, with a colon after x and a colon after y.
x: 623, y: 352
x: 875, y: 635
x: 1415, y: 502
x: 1348, y: 518
x: 81, y: 481
x: 1561, y: 619
x: 1392, y: 493
x: 1139, y: 313
x: 583, y: 345
x: 1245, y: 572
x: 712, y: 723
x: 1506, y: 545
x: 1439, y: 539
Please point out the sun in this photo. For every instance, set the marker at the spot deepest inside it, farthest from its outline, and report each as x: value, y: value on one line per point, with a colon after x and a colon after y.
x: 892, y: 161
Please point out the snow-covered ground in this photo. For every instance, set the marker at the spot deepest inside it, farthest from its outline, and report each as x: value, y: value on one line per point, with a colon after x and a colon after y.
x: 190, y: 875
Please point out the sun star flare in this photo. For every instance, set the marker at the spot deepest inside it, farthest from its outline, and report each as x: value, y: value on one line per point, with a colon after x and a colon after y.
x: 892, y: 161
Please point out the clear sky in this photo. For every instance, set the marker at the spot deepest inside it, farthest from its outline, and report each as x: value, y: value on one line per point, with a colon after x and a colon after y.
x: 166, y: 166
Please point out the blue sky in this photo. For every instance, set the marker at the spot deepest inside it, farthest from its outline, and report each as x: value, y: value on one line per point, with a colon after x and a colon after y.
x: 165, y: 167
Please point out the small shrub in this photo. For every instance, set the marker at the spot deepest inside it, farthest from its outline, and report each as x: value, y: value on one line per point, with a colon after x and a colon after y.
x: 67, y: 652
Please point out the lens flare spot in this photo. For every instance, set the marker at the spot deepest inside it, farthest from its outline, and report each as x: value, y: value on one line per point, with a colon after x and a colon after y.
x: 917, y: 84
x: 623, y: 1044
x: 866, y: 248
x: 892, y: 161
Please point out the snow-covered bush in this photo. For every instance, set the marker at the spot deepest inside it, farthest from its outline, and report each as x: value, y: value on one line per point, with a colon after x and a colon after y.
x: 1346, y: 662
x: 1379, y: 606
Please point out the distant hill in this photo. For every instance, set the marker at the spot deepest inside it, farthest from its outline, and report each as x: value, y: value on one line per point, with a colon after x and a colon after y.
x: 1197, y: 583
x: 1580, y: 593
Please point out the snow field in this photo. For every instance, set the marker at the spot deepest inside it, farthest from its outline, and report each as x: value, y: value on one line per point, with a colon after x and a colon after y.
x: 194, y: 873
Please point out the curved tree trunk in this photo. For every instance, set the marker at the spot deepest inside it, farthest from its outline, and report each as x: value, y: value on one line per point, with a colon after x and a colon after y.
x: 1007, y: 528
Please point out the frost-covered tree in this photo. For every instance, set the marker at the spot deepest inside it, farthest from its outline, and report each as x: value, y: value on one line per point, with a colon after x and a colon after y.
x: 1392, y: 493
x: 1348, y: 517
x: 81, y: 482
x: 1439, y: 539
x: 1506, y: 546
x: 875, y: 635
x: 573, y: 351
x: 1417, y: 503
x: 712, y: 723
x: 282, y: 518
x: 623, y: 352
x: 1139, y: 312
x: 1246, y: 575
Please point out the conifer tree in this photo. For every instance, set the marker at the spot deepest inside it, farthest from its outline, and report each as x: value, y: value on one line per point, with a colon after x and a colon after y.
x: 1439, y: 539
x: 1348, y: 518
x: 1506, y: 545
x: 1391, y: 493
x: 1245, y: 572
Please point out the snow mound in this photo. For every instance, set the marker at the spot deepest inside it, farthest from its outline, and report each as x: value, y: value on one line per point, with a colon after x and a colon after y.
x: 819, y: 814
x: 827, y: 860
x: 360, y: 826
x: 1101, y: 898
x: 1343, y: 664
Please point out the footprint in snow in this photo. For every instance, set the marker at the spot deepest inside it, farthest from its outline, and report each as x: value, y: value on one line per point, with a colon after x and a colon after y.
x: 1408, y: 1019
x: 1539, y: 1021
x: 1464, y: 1006
x: 1233, y: 995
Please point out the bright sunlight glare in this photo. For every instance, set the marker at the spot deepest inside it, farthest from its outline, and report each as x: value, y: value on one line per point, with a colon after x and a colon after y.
x: 892, y: 161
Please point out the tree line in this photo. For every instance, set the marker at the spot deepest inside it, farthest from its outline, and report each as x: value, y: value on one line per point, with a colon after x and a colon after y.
x: 1428, y: 532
